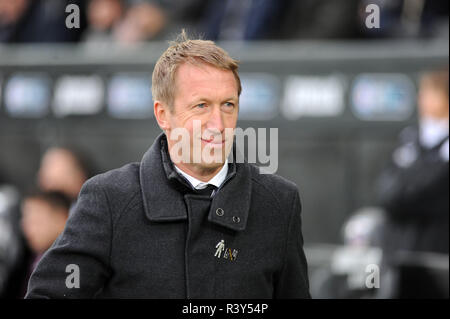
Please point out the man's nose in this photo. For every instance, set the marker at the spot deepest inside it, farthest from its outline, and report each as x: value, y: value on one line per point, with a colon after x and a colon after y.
x: 215, y: 121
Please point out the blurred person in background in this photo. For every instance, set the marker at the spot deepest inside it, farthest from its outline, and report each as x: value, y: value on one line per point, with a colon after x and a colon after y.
x: 414, y: 188
x: 243, y: 20
x: 143, y: 20
x: 13, y: 250
x: 103, y: 16
x: 124, y: 21
x: 64, y: 169
x: 414, y: 192
x: 11, y: 14
x: 37, y: 21
x: 44, y: 215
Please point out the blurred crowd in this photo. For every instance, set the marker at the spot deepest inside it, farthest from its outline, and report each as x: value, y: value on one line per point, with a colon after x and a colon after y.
x: 134, y: 21
x: 32, y: 219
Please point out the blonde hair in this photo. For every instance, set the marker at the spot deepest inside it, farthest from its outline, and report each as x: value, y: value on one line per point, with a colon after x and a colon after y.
x: 438, y: 79
x: 184, y: 50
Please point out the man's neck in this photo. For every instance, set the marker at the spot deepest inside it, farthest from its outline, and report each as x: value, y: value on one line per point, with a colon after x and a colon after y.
x: 203, y: 174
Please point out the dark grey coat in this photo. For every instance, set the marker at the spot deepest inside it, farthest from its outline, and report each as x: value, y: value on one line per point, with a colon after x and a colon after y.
x: 140, y: 231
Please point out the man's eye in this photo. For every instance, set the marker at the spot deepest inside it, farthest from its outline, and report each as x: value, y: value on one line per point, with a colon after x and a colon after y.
x: 201, y: 105
x: 229, y: 104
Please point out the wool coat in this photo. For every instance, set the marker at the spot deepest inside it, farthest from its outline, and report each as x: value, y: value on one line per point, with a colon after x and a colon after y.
x: 141, y: 231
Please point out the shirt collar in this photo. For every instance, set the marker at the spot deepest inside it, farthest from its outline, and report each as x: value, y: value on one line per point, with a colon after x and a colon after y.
x: 217, y: 180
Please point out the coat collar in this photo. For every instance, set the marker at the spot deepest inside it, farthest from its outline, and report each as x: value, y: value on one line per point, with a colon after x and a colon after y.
x: 162, y: 190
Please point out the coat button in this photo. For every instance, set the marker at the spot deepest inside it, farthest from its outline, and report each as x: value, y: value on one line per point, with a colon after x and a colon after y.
x: 219, y: 212
x: 236, y: 219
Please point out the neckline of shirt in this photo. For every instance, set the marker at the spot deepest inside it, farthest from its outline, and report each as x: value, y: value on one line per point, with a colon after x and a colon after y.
x: 216, y: 180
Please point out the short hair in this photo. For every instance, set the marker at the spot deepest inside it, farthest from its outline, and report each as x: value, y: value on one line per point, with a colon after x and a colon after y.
x: 52, y: 198
x: 438, y: 79
x: 184, y: 50
x: 82, y: 160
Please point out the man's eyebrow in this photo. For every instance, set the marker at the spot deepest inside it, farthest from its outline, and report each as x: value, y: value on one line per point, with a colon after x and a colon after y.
x: 193, y: 101
x: 233, y: 98
x: 196, y: 100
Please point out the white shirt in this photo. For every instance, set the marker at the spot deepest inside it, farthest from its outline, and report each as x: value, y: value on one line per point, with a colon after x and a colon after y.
x: 217, y: 180
x: 432, y: 131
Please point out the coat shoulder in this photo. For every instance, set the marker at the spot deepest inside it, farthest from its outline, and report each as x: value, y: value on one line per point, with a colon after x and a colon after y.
x: 282, y: 189
x: 121, y: 185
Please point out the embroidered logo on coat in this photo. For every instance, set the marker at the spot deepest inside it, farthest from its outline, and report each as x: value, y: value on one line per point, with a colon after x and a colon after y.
x: 225, y: 252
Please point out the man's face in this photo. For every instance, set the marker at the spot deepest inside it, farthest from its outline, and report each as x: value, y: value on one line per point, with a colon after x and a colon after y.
x: 60, y: 172
x: 41, y: 223
x: 205, y: 106
x: 433, y: 103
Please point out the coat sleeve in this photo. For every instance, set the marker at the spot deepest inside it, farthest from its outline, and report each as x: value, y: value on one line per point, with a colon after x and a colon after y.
x: 77, y: 264
x: 408, y: 192
x: 292, y: 281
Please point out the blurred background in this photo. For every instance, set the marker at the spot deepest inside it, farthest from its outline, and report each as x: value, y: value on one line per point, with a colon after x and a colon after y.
x: 360, y: 101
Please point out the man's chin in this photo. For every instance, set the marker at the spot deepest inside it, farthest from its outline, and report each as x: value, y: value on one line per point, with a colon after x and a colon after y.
x: 212, y: 165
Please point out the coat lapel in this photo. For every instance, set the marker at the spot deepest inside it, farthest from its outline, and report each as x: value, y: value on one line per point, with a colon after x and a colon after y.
x: 162, y: 201
x: 233, y: 199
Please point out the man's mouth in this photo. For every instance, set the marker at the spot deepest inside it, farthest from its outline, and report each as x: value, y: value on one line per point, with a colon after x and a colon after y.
x: 213, y: 142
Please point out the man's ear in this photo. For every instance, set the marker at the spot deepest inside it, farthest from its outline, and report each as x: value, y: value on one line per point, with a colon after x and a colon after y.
x: 161, y: 114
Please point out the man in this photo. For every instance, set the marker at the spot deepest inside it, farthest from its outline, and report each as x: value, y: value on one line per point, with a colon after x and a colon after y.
x: 174, y: 226
x: 413, y: 190
x: 414, y: 187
